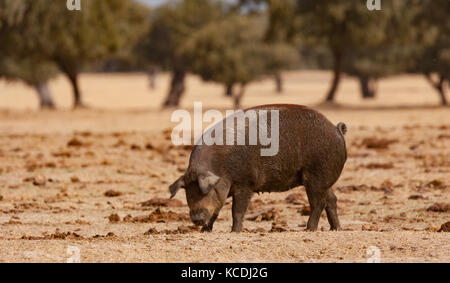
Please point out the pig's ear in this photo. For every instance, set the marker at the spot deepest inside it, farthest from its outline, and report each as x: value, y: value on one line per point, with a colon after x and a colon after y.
x: 207, y: 182
x: 175, y: 187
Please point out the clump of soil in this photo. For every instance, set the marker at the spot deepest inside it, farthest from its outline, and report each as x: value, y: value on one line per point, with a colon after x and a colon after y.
x: 377, y: 143
x: 279, y: 226
x: 112, y: 193
x: 114, y: 218
x: 415, y: 197
x: 74, y: 142
x: 163, y: 202
x: 119, y: 143
x: 135, y: 147
x: 361, y: 188
x: 256, y: 230
x: 151, y: 231
x: 109, y: 235
x: 61, y: 236
x: 179, y: 230
x: 385, y: 166
x: 386, y: 190
x: 256, y: 204
x: 433, y: 229
x: 352, y: 188
x: 56, y: 236
x: 158, y: 216
x: 188, y: 229
x: 443, y: 136
x: 369, y: 227
x: 296, y: 198
x: 74, y: 179
x: 64, y: 154
x: 439, y: 207
x: 13, y: 221
x: 436, y: 184
x: 445, y: 227
x: 39, y: 180
x: 305, y: 210
x: 268, y: 214
x: 77, y: 222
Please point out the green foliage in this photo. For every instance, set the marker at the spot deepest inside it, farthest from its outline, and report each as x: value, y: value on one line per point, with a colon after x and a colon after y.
x: 340, y: 24
x: 238, y: 54
x: 13, y: 64
x: 29, y: 71
x: 102, y: 28
x: 11, y: 12
x: 45, y: 30
x: 172, y: 25
x: 282, y: 19
x: 434, y: 55
x: 392, y: 53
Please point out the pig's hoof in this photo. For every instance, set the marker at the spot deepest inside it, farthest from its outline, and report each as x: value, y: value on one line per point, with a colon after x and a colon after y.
x: 335, y: 229
x: 206, y: 229
x: 310, y: 229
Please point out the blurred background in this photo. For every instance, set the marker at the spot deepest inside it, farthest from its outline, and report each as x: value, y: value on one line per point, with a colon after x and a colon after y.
x: 155, y: 53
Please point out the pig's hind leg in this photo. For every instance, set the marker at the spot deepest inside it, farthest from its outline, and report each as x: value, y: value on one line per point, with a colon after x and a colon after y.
x: 317, y: 202
x: 331, y: 209
x: 317, y: 196
x: 241, y: 200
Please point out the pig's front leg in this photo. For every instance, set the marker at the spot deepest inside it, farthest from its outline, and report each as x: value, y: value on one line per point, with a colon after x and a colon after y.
x: 208, y: 227
x: 241, y: 200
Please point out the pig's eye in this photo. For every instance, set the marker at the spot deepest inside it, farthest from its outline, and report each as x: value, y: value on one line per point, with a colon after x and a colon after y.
x: 196, y: 188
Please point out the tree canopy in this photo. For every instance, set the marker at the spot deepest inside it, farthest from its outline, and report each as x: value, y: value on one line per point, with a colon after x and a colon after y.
x: 238, y: 54
x: 171, y: 26
x: 48, y: 31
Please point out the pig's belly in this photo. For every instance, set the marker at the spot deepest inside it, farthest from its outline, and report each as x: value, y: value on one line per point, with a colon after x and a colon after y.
x: 278, y: 185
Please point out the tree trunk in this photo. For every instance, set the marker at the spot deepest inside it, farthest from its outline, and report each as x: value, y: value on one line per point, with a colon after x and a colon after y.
x: 279, y: 82
x: 70, y: 70
x: 152, y: 74
x: 176, y: 89
x: 439, y: 86
x: 45, y: 97
x: 336, y: 76
x: 229, y: 90
x: 76, y: 91
x: 368, y: 87
x: 238, y: 97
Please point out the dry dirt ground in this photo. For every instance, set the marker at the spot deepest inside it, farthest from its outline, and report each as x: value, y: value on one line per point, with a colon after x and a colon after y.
x: 95, y: 180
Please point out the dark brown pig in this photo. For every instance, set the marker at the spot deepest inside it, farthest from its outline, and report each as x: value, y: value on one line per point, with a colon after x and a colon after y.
x: 311, y: 153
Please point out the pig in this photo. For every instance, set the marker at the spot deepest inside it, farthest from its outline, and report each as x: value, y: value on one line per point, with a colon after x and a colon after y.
x: 312, y: 153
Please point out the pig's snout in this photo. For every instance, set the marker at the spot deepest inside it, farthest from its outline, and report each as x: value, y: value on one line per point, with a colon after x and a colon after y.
x: 199, y: 217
